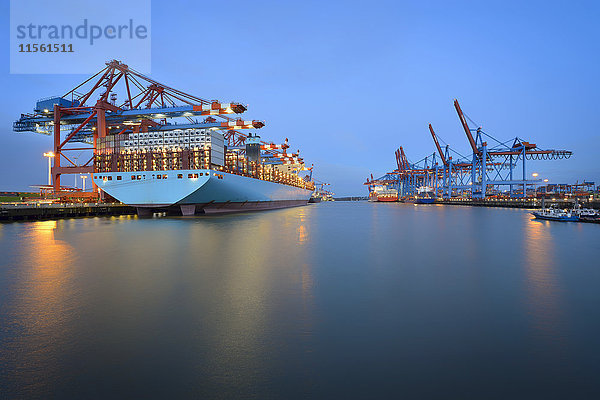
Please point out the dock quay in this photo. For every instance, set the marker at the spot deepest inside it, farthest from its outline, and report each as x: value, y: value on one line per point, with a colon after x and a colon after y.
x: 37, y: 211
x: 518, y: 203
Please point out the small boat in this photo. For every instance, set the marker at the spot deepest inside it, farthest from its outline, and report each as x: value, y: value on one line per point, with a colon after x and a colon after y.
x: 590, y: 218
x: 586, y: 212
x: 553, y: 214
x: 587, y: 215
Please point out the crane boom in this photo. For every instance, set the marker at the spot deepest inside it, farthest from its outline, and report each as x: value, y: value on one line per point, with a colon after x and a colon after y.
x: 403, y: 160
x: 463, y: 121
x: 437, y: 144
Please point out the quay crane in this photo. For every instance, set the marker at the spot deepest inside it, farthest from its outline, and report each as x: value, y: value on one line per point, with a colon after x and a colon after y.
x: 495, y: 165
x: 90, y: 111
x: 489, y: 167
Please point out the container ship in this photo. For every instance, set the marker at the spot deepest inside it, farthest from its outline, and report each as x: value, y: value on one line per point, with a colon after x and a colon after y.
x: 192, y: 170
x: 383, y: 194
x: 425, y: 195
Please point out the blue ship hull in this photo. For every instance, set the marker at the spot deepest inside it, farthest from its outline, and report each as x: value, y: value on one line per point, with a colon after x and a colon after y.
x: 424, y: 201
x: 551, y: 218
x: 419, y: 200
x: 199, y: 190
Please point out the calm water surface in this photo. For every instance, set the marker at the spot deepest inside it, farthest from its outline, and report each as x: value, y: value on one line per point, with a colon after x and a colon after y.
x: 334, y: 300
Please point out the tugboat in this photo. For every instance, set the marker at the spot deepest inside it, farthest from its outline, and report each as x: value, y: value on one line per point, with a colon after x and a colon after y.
x: 553, y: 214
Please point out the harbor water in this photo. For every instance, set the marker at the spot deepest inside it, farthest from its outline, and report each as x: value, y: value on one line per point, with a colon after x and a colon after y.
x: 332, y: 300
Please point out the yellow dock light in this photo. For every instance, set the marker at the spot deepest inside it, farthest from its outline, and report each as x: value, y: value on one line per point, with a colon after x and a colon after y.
x: 49, y: 155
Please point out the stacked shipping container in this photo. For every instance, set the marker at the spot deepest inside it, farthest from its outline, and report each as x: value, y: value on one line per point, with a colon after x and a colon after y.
x: 183, y: 150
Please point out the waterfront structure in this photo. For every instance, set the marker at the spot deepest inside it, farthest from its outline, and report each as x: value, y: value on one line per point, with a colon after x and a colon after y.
x: 490, y: 169
x: 151, y: 151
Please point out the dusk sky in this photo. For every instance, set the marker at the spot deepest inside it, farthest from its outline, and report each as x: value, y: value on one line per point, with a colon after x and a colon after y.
x: 350, y: 82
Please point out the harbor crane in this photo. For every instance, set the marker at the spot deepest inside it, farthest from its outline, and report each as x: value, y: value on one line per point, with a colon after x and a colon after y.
x: 489, y: 168
x: 91, y: 110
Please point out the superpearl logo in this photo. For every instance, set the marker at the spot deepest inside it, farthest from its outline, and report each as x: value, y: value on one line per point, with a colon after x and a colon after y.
x: 66, y: 37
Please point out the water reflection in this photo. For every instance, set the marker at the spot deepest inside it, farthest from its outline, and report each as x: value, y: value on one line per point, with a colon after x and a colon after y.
x: 258, y: 263
x: 269, y: 305
x: 542, y: 282
x: 245, y: 292
x: 302, y: 232
x: 40, y: 307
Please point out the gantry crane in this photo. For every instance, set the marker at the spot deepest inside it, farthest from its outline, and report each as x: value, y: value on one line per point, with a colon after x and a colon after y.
x: 495, y: 165
x: 489, y: 166
x: 91, y: 111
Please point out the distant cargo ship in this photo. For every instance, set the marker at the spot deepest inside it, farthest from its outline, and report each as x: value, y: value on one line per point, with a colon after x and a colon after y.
x: 419, y: 200
x: 193, y: 171
x: 321, y: 194
x: 381, y: 194
x: 425, y: 195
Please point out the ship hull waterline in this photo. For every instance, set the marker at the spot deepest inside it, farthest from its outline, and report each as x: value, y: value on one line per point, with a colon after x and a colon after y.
x: 198, y: 191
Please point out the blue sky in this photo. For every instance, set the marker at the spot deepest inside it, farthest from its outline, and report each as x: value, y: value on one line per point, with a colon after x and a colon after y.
x: 349, y: 82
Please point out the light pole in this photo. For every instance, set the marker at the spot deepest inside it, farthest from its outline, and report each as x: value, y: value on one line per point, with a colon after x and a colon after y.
x: 76, y: 158
x: 83, y: 177
x: 535, y: 175
x: 50, y: 155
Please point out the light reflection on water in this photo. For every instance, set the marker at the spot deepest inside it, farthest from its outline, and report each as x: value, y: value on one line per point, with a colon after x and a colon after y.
x: 543, y: 287
x: 330, y: 300
x: 40, y: 312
